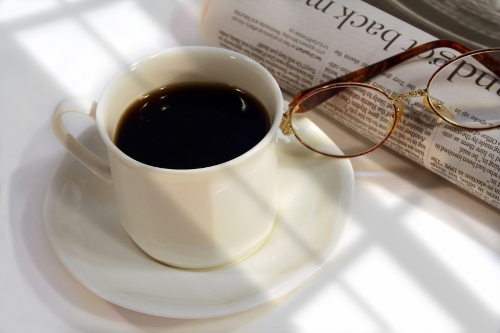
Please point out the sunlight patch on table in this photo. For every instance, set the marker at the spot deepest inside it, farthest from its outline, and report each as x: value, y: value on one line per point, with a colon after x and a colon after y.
x: 127, y: 28
x: 79, y: 65
x: 333, y: 301
x: 471, y: 263
x: 394, y: 296
x: 16, y: 9
x: 385, y: 198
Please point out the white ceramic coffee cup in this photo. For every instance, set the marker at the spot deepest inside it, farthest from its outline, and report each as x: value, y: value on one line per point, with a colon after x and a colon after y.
x: 200, y: 218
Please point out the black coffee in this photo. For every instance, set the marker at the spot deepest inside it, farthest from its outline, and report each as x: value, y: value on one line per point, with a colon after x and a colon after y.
x: 192, y: 126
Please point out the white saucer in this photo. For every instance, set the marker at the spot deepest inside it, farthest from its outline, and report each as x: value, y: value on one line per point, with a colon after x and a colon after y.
x: 83, y: 227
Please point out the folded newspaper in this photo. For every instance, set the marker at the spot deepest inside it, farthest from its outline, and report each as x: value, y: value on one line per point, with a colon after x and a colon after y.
x: 307, y: 42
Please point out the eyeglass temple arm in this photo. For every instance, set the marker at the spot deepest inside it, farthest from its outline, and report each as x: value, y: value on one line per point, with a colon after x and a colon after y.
x: 364, y: 74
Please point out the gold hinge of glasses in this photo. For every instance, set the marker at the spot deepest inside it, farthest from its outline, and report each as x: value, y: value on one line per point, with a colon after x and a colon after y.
x: 286, y: 125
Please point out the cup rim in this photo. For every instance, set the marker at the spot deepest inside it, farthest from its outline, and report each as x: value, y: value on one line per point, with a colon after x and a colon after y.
x: 259, y: 146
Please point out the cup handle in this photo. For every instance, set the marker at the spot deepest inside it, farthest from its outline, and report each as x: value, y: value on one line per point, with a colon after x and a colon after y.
x: 81, y: 153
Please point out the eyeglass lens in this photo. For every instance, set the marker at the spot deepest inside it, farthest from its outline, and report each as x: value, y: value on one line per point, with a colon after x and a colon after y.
x: 353, y: 121
x: 467, y: 93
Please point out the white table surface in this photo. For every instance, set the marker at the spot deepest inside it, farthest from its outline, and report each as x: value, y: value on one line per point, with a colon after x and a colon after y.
x: 419, y: 253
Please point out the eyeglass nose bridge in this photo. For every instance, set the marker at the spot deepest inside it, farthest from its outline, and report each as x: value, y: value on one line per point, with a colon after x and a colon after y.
x: 436, y: 107
x: 410, y: 94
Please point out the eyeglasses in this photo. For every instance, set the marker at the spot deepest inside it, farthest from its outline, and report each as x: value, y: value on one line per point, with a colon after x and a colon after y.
x: 347, y: 118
